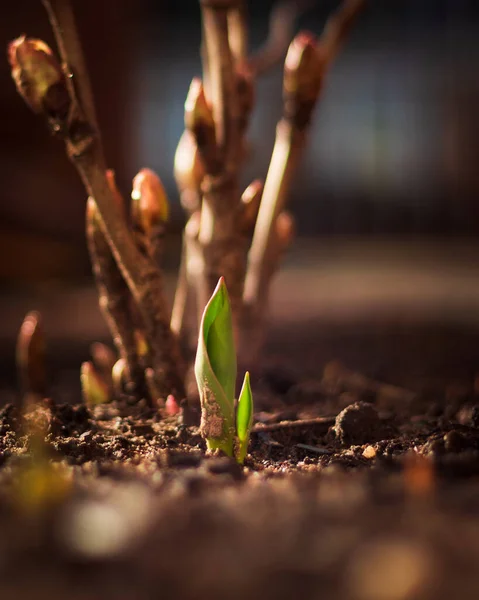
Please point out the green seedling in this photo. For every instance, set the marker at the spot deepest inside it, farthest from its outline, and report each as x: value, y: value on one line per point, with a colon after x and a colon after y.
x: 244, y: 419
x: 94, y: 389
x: 215, y: 371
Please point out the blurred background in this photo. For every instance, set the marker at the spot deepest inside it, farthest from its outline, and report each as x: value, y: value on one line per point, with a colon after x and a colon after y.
x: 386, y: 199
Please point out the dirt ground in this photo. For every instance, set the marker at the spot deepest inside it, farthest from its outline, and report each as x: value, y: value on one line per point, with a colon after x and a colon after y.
x: 361, y: 482
x: 352, y: 489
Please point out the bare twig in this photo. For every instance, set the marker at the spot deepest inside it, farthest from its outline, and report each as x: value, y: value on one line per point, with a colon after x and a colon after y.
x: 338, y: 26
x: 281, y: 29
x: 238, y: 32
x: 189, y: 172
x: 84, y: 148
x: 62, y: 20
x: 305, y: 68
x: 114, y: 299
x: 324, y: 423
x: 221, y: 70
x: 220, y: 250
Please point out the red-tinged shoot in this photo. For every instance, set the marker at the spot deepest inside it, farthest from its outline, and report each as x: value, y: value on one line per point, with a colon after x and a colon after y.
x: 172, y: 407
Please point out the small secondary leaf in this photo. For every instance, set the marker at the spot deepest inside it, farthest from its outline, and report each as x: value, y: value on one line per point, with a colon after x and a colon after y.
x: 244, y: 418
x: 215, y: 370
x: 94, y: 389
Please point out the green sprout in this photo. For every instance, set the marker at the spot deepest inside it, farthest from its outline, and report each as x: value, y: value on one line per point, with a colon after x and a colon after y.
x: 215, y: 371
x: 244, y: 419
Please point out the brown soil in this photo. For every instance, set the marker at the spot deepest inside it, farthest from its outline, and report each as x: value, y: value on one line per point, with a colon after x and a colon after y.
x: 352, y: 489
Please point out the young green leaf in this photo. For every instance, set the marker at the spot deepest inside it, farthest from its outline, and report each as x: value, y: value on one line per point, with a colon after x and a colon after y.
x: 93, y: 387
x: 215, y: 370
x: 244, y: 419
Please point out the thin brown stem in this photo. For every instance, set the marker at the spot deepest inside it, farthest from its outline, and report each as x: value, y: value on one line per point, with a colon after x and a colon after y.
x: 182, y: 292
x: 144, y: 279
x: 62, y: 20
x: 265, y: 248
x: 281, y: 29
x: 306, y: 64
x: 286, y: 153
x: 338, y: 27
x: 238, y: 32
x: 114, y: 298
x: 219, y: 249
x: 85, y: 150
x: 221, y: 70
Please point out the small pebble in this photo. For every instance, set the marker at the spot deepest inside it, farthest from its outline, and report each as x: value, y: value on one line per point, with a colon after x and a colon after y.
x: 454, y: 441
x: 369, y: 452
x: 359, y: 424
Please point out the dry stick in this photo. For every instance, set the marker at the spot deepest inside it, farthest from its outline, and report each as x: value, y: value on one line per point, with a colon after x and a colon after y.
x: 281, y: 28
x: 321, y: 422
x: 189, y: 172
x: 84, y: 149
x: 114, y: 299
x: 304, y: 75
x: 238, y: 32
x: 221, y: 248
x: 274, y: 49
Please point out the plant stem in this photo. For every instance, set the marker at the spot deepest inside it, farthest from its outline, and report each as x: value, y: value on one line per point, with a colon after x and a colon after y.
x: 143, y: 278
x: 290, y: 140
x: 281, y: 29
x: 265, y: 247
x: 62, y: 20
x: 238, y: 32
x: 114, y: 297
x: 85, y: 150
x: 221, y: 248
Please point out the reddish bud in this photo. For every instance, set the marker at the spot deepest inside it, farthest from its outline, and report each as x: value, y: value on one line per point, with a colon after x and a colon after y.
x: 303, y: 76
x: 189, y: 171
x: 250, y: 201
x: 39, y: 77
x: 285, y: 228
x: 149, y: 207
x: 171, y: 406
x: 199, y: 121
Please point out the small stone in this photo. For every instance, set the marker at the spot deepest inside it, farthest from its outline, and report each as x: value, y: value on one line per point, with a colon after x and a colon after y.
x: 435, y: 447
x: 369, y: 452
x: 454, y: 441
x: 359, y: 424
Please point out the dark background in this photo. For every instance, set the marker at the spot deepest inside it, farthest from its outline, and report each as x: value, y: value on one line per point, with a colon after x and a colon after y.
x: 394, y: 148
